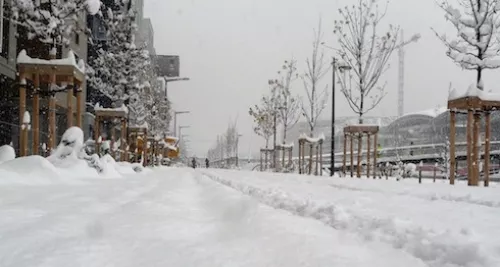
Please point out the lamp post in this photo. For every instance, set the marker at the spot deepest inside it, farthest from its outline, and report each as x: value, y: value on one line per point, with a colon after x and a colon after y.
x: 341, y: 67
x: 172, y: 79
x: 175, y: 120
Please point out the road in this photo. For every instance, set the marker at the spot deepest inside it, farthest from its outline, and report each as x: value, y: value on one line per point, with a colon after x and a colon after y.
x: 172, y: 217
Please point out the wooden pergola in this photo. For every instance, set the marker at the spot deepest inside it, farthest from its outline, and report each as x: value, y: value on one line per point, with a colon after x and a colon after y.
x: 139, y: 133
x: 60, y: 75
x: 283, y: 151
x: 102, y: 114
x: 474, y: 106
x: 360, y: 131
x: 315, y: 154
x: 264, y: 160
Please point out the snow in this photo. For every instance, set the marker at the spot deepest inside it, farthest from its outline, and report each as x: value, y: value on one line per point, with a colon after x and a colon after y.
x: 26, y: 117
x: 313, y: 140
x: 473, y: 91
x: 433, y: 113
x: 70, y: 60
x: 435, y: 223
x: 172, y: 217
x: 93, y: 6
x: 7, y: 153
x: 98, y: 107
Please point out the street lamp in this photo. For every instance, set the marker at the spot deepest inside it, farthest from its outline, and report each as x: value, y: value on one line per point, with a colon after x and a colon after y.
x: 172, y: 79
x: 342, y: 67
x: 183, y: 127
x: 175, y: 120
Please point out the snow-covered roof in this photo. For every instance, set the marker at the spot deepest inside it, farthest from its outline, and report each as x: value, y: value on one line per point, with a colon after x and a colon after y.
x: 70, y: 60
x: 144, y: 125
x: 433, y: 112
x: 98, y: 107
x: 473, y: 91
x: 321, y: 137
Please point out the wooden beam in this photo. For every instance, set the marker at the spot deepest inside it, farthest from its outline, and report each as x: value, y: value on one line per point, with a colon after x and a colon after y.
x: 123, y: 141
x: 36, y: 115
x: 79, y: 105
x: 487, y: 149
x: 360, y: 145
x: 97, y: 133
x: 368, y: 147
x: 52, y: 123
x: 452, y: 146
x: 344, y: 159
x: 22, y: 109
x: 475, y: 149
x: 469, y: 146
x: 375, y: 156
x: 352, y: 155
x: 69, y: 103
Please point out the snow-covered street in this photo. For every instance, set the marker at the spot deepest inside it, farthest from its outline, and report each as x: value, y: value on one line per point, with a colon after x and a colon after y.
x: 171, y: 217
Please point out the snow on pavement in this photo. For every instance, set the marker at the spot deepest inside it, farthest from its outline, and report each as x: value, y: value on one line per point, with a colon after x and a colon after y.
x: 171, y: 217
x: 439, y: 224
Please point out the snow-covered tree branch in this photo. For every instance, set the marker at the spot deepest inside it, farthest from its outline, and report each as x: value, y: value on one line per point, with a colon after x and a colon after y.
x: 477, y: 44
x: 52, y: 21
x: 317, y: 68
x: 365, y: 50
x: 289, y: 107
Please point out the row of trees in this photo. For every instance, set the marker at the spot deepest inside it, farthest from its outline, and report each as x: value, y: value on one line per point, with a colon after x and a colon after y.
x: 120, y: 70
x: 226, y: 145
x: 365, y: 46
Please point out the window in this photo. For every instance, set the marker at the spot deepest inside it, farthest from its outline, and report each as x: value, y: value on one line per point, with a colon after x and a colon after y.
x: 77, y: 38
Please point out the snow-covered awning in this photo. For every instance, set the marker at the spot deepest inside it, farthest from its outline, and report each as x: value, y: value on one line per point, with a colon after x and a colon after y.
x: 473, y: 98
x: 120, y: 112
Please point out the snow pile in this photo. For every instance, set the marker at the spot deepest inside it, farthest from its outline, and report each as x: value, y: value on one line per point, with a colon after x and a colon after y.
x: 68, y: 161
x: 7, y: 153
x: 430, y: 225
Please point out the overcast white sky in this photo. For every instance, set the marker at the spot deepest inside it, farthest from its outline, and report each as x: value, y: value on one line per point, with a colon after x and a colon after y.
x: 230, y: 48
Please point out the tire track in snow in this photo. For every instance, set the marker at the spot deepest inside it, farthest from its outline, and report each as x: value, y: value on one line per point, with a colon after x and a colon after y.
x: 436, y: 249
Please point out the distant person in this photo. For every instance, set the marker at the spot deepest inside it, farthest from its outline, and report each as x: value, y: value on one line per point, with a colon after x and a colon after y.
x: 207, y: 163
x: 193, y: 162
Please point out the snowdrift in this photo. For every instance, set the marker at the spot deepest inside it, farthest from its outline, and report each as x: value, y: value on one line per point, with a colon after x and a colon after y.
x: 68, y: 161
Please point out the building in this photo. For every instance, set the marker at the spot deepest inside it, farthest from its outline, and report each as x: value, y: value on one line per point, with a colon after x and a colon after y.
x: 8, y: 95
x: 147, y: 34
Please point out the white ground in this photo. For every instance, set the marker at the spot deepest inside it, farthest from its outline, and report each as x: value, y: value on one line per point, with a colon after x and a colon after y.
x: 185, y: 217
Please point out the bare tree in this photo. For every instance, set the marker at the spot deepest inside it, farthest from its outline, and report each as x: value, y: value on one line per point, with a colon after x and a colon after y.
x: 288, y: 105
x: 317, y: 67
x: 477, y: 46
x: 365, y: 52
x: 263, y: 116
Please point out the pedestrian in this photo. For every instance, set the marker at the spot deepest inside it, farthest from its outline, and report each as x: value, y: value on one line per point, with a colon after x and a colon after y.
x: 207, y: 163
x: 193, y: 162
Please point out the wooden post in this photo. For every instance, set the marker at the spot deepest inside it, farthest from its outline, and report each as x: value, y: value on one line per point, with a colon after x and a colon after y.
x: 22, y: 109
x: 352, y: 154
x: 261, y: 166
x: 375, y: 157
x: 123, y: 141
x: 368, y: 152
x: 97, y: 133
x: 360, y: 145
x: 321, y: 158
x: 290, y: 151
x: 310, y: 158
x: 79, y: 104
x: 112, y: 145
x: 145, y: 148
x: 52, y: 122
x: 434, y: 177
x: 452, y: 146
x: 344, y: 159
x: 487, y: 149
x: 475, y: 150
x: 469, y: 146
x: 36, y: 115
x: 316, y: 159
x: 69, y: 102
